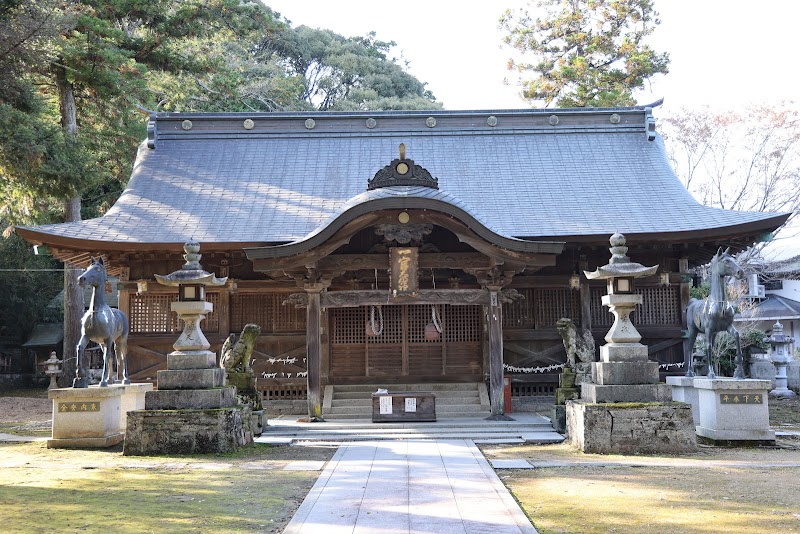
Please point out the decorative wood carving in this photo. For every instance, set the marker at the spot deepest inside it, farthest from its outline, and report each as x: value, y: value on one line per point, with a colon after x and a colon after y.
x: 402, y: 171
x: 404, y: 233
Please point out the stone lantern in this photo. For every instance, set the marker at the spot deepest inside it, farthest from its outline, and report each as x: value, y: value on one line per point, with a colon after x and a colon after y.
x: 780, y: 357
x: 193, y: 411
x: 623, y: 338
x: 626, y: 408
x: 52, y: 369
x: 192, y: 307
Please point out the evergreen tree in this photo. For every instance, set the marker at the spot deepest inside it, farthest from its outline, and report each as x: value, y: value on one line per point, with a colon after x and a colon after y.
x: 585, y: 52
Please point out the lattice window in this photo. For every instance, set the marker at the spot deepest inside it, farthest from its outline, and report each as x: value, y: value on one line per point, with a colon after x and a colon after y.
x: 660, y: 307
x: 267, y: 311
x: 5, y: 363
x: 520, y: 313
x: 553, y: 304
x: 349, y: 325
x: 600, y: 314
x: 462, y: 323
x: 418, y: 318
x: 150, y: 314
x: 392, y: 325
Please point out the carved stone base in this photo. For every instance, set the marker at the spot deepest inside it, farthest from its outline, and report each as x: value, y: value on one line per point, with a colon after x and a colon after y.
x: 153, y: 432
x: 645, y: 428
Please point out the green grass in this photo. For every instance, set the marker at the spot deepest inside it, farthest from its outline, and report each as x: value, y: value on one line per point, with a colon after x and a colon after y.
x: 657, y: 500
x: 101, y: 491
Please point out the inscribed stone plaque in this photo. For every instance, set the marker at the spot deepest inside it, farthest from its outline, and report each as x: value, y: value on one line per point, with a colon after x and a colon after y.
x: 386, y: 405
x: 70, y: 407
x: 741, y: 398
x: 411, y: 404
x: 404, y: 262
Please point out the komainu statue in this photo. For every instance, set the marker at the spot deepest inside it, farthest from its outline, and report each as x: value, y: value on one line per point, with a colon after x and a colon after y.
x: 235, y: 359
x: 235, y: 355
x: 580, y: 349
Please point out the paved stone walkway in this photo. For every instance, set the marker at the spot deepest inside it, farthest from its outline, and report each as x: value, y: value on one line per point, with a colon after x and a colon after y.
x: 411, y: 486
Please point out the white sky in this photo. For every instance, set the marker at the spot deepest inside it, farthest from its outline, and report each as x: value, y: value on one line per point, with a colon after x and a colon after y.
x: 724, y: 53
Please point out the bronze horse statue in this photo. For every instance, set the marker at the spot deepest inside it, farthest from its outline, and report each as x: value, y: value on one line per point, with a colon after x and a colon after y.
x: 105, y: 326
x: 714, y: 314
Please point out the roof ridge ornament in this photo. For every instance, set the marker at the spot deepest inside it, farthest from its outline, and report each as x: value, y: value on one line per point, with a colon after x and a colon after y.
x: 402, y: 171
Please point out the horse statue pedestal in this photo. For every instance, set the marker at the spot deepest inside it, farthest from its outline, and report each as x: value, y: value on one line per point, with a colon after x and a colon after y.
x: 93, y: 417
x: 733, y: 411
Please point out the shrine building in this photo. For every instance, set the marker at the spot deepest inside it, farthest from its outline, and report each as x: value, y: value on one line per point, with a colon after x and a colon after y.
x: 413, y: 247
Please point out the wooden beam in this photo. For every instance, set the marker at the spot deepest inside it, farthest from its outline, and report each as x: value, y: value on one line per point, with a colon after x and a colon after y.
x: 368, y: 297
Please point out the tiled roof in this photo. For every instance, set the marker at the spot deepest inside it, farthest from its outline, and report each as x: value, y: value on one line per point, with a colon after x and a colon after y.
x: 535, y: 174
x: 772, y: 308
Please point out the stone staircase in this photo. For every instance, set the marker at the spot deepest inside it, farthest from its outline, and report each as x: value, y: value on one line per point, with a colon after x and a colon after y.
x: 452, y: 400
x: 525, y: 428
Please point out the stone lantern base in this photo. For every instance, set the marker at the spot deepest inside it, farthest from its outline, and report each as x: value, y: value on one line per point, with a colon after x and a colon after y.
x: 631, y: 428
x: 191, y: 412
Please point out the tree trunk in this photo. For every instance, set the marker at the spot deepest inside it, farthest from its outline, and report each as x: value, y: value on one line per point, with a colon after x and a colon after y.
x: 73, y: 295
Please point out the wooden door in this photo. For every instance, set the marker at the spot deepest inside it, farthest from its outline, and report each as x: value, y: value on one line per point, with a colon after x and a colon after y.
x: 401, y: 352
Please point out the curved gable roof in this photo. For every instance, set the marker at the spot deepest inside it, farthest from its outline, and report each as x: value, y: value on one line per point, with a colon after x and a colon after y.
x: 533, y: 174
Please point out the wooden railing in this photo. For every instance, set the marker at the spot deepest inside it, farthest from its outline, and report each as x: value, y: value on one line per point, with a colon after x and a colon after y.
x: 282, y: 388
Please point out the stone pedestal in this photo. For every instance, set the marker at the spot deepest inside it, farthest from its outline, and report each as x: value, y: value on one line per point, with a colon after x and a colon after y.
x: 762, y: 369
x: 683, y: 390
x: 133, y: 398
x: 631, y: 428
x: 187, y: 431
x: 191, y: 412
x: 793, y: 375
x: 733, y: 410
x: 86, y: 417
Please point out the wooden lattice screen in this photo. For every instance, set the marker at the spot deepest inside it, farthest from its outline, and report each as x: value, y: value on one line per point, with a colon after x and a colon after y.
x: 150, y: 314
x: 521, y: 312
x: 554, y: 304
x: 661, y: 306
x: 458, y: 350
x: 267, y: 311
x: 541, y: 308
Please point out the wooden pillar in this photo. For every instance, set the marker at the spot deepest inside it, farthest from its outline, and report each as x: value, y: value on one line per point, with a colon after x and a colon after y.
x: 314, y: 351
x: 683, y: 268
x: 495, y: 310
x: 585, y: 296
x: 224, y: 312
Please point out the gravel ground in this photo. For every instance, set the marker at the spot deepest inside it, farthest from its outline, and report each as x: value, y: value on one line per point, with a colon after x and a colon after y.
x: 14, y: 409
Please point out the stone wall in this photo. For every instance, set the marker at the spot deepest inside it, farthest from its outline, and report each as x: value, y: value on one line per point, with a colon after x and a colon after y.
x: 152, y: 432
x: 631, y: 428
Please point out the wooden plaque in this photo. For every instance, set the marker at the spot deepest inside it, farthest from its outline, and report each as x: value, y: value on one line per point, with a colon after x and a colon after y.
x: 405, y: 264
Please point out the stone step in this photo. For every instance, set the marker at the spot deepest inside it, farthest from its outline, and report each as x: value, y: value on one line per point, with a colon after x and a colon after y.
x: 541, y: 437
x: 439, y: 394
x: 368, y: 417
x: 440, y: 408
x: 440, y: 401
x: 370, y: 388
x: 526, y: 427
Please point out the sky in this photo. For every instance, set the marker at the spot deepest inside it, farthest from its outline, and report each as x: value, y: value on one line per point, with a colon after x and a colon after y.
x: 724, y: 54
x: 748, y: 55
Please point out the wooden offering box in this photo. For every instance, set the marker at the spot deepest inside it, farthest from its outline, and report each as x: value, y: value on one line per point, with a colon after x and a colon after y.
x: 404, y: 406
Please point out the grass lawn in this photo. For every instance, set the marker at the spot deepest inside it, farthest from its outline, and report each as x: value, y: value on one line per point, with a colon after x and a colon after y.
x: 716, y: 490
x: 59, y: 490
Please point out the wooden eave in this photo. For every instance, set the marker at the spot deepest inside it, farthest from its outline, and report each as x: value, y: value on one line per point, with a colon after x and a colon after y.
x: 318, y: 250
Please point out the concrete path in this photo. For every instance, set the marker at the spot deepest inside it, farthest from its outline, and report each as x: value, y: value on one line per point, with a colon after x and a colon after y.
x: 409, y: 486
